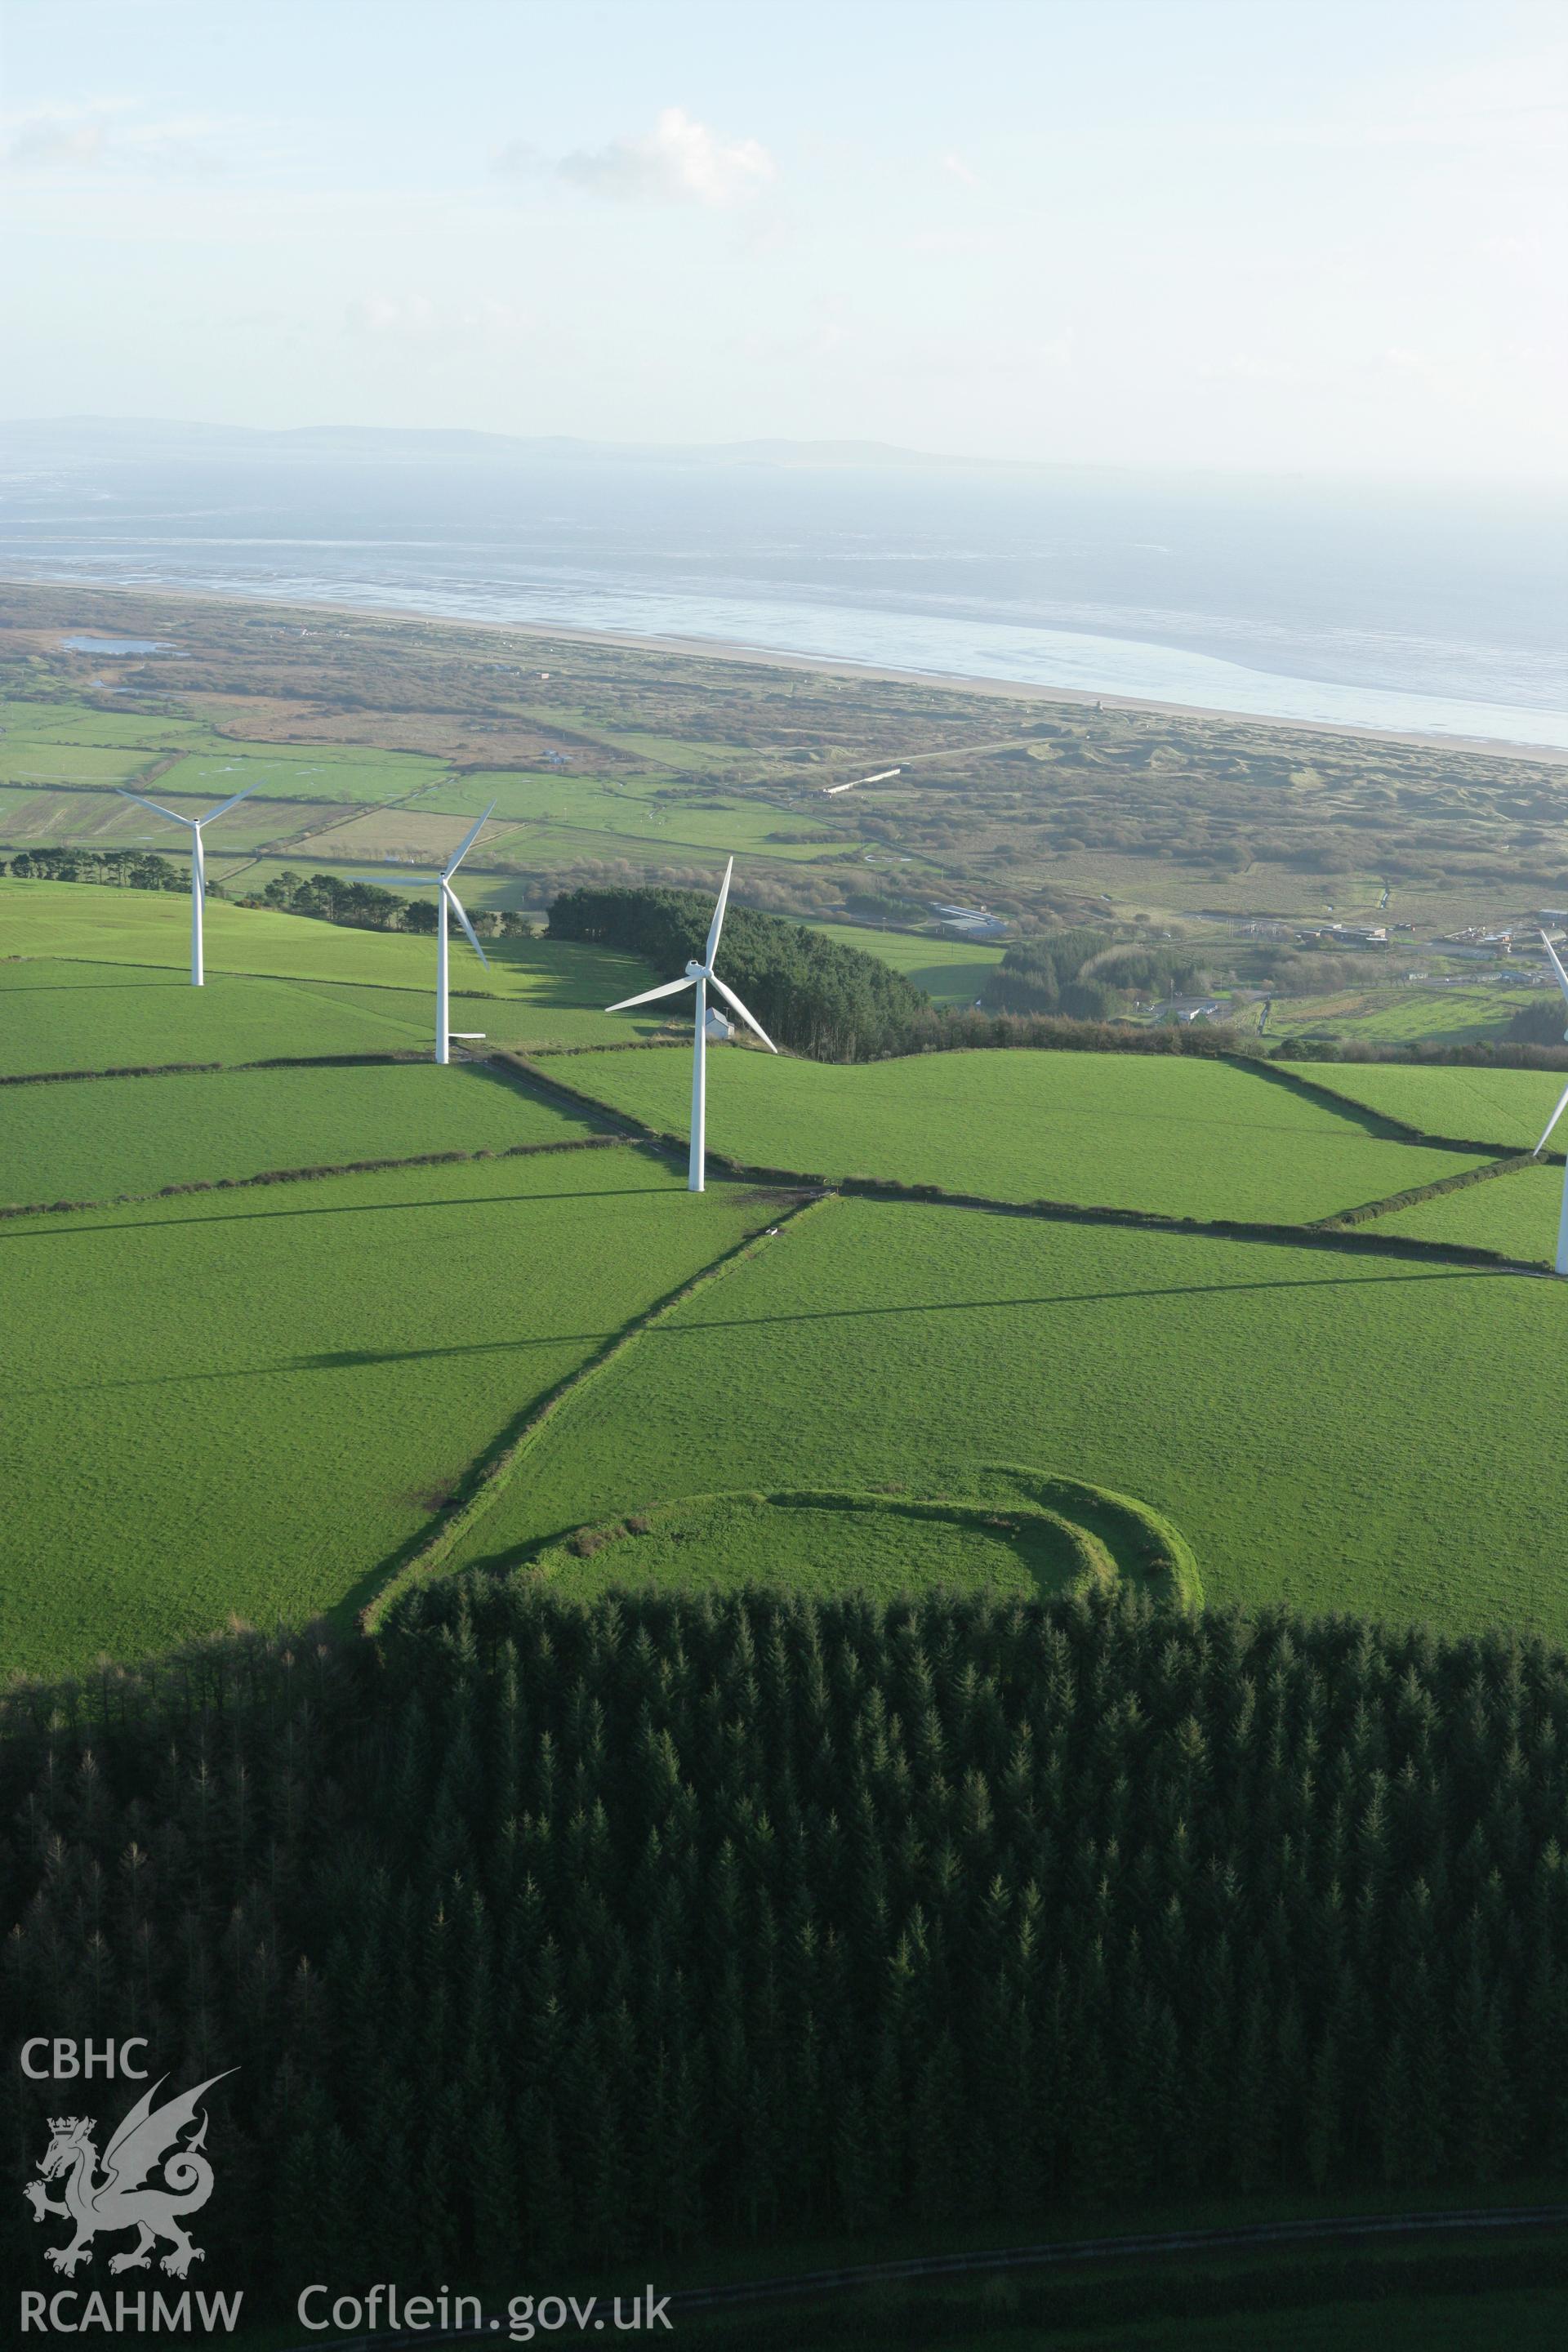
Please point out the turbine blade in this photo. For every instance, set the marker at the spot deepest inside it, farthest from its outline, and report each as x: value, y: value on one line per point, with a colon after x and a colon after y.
x: 729, y: 997
x: 223, y: 806
x: 716, y: 925
x: 156, y: 806
x: 466, y: 844
x: 670, y: 988
x: 1561, y: 1106
x: 456, y: 906
x: 1557, y: 968
x: 391, y: 874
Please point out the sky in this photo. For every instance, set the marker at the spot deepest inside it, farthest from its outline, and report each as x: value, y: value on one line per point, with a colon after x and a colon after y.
x: 1238, y: 234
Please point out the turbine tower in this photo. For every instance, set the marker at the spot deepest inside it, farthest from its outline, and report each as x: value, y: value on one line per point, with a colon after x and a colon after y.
x: 446, y: 898
x: 198, y: 863
x: 698, y: 976
x: 1562, y: 1106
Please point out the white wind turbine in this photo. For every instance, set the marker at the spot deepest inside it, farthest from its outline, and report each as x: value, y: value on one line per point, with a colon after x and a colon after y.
x: 198, y: 863
x: 698, y: 976
x: 446, y: 898
x: 1562, y: 1106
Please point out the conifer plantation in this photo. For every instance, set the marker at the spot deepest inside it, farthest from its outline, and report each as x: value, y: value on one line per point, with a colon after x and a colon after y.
x: 546, y: 1934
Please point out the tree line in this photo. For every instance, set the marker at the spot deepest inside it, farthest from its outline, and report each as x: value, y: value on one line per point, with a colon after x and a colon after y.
x: 366, y: 906
x: 545, y: 1933
x: 821, y: 997
x: 812, y: 994
x: 1087, y: 974
x: 132, y: 869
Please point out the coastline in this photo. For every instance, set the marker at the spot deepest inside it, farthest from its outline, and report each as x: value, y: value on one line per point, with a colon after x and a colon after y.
x: 735, y: 651
x: 1016, y: 690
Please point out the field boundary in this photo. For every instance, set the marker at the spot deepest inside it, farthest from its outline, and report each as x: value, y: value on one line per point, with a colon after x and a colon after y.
x: 1376, y: 1122
x: 133, y: 1070
x: 1070, y: 1213
x: 494, y: 1469
x: 1322, y: 1234
x: 313, y: 1175
x: 1382, y: 1124
x: 1400, y: 1131
x: 523, y: 1065
x: 301, y: 979
x: 1392, y: 1201
x: 663, y: 1044
x: 890, y: 1188
x: 1091, y: 1556
x: 1162, y: 1546
x: 220, y: 1069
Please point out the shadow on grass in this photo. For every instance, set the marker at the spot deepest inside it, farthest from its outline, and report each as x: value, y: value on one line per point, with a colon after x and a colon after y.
x: 1065, y: 1298
x: 19, y: 1230
x: 337, y: 1359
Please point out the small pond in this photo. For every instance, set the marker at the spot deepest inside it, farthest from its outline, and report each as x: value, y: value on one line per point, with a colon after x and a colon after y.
x: 116, y: 646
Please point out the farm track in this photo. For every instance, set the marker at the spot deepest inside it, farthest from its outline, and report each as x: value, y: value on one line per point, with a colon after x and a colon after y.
x: 1342, y: 2229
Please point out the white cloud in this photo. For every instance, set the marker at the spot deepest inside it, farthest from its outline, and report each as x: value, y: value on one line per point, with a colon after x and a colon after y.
x: 956, y: 168
x: 106, y: 135
x: 680, y: 161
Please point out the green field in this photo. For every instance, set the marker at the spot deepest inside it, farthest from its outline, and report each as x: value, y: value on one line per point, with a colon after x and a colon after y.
x: 951, y: 971
x: 1322, y: 1427
x: 75, y: 722
x: 1325, y: 1430
x: 647, y: 811
x: 56, y: 1014
x: 246, y: 1402
x: 553, y: 991
x: 828, y: 1545
x: 1187, y: 1138
x: 1400, y: 1017
x: 1516, y: 1213
x: 1011, y: 1529
x: 94, y: 1141
x: 309, y: 773
x: 1509, y: 1108
x: 404, y: 796
x: 53, y: 761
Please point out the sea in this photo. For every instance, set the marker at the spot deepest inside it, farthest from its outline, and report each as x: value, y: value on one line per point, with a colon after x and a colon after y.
x: 1425, y: 608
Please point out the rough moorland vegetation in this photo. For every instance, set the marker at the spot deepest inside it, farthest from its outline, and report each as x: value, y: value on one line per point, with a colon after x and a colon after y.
x: 671, y: 1921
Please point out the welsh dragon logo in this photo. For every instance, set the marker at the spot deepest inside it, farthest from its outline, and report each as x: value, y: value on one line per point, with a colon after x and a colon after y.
x: 118, y: 2200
